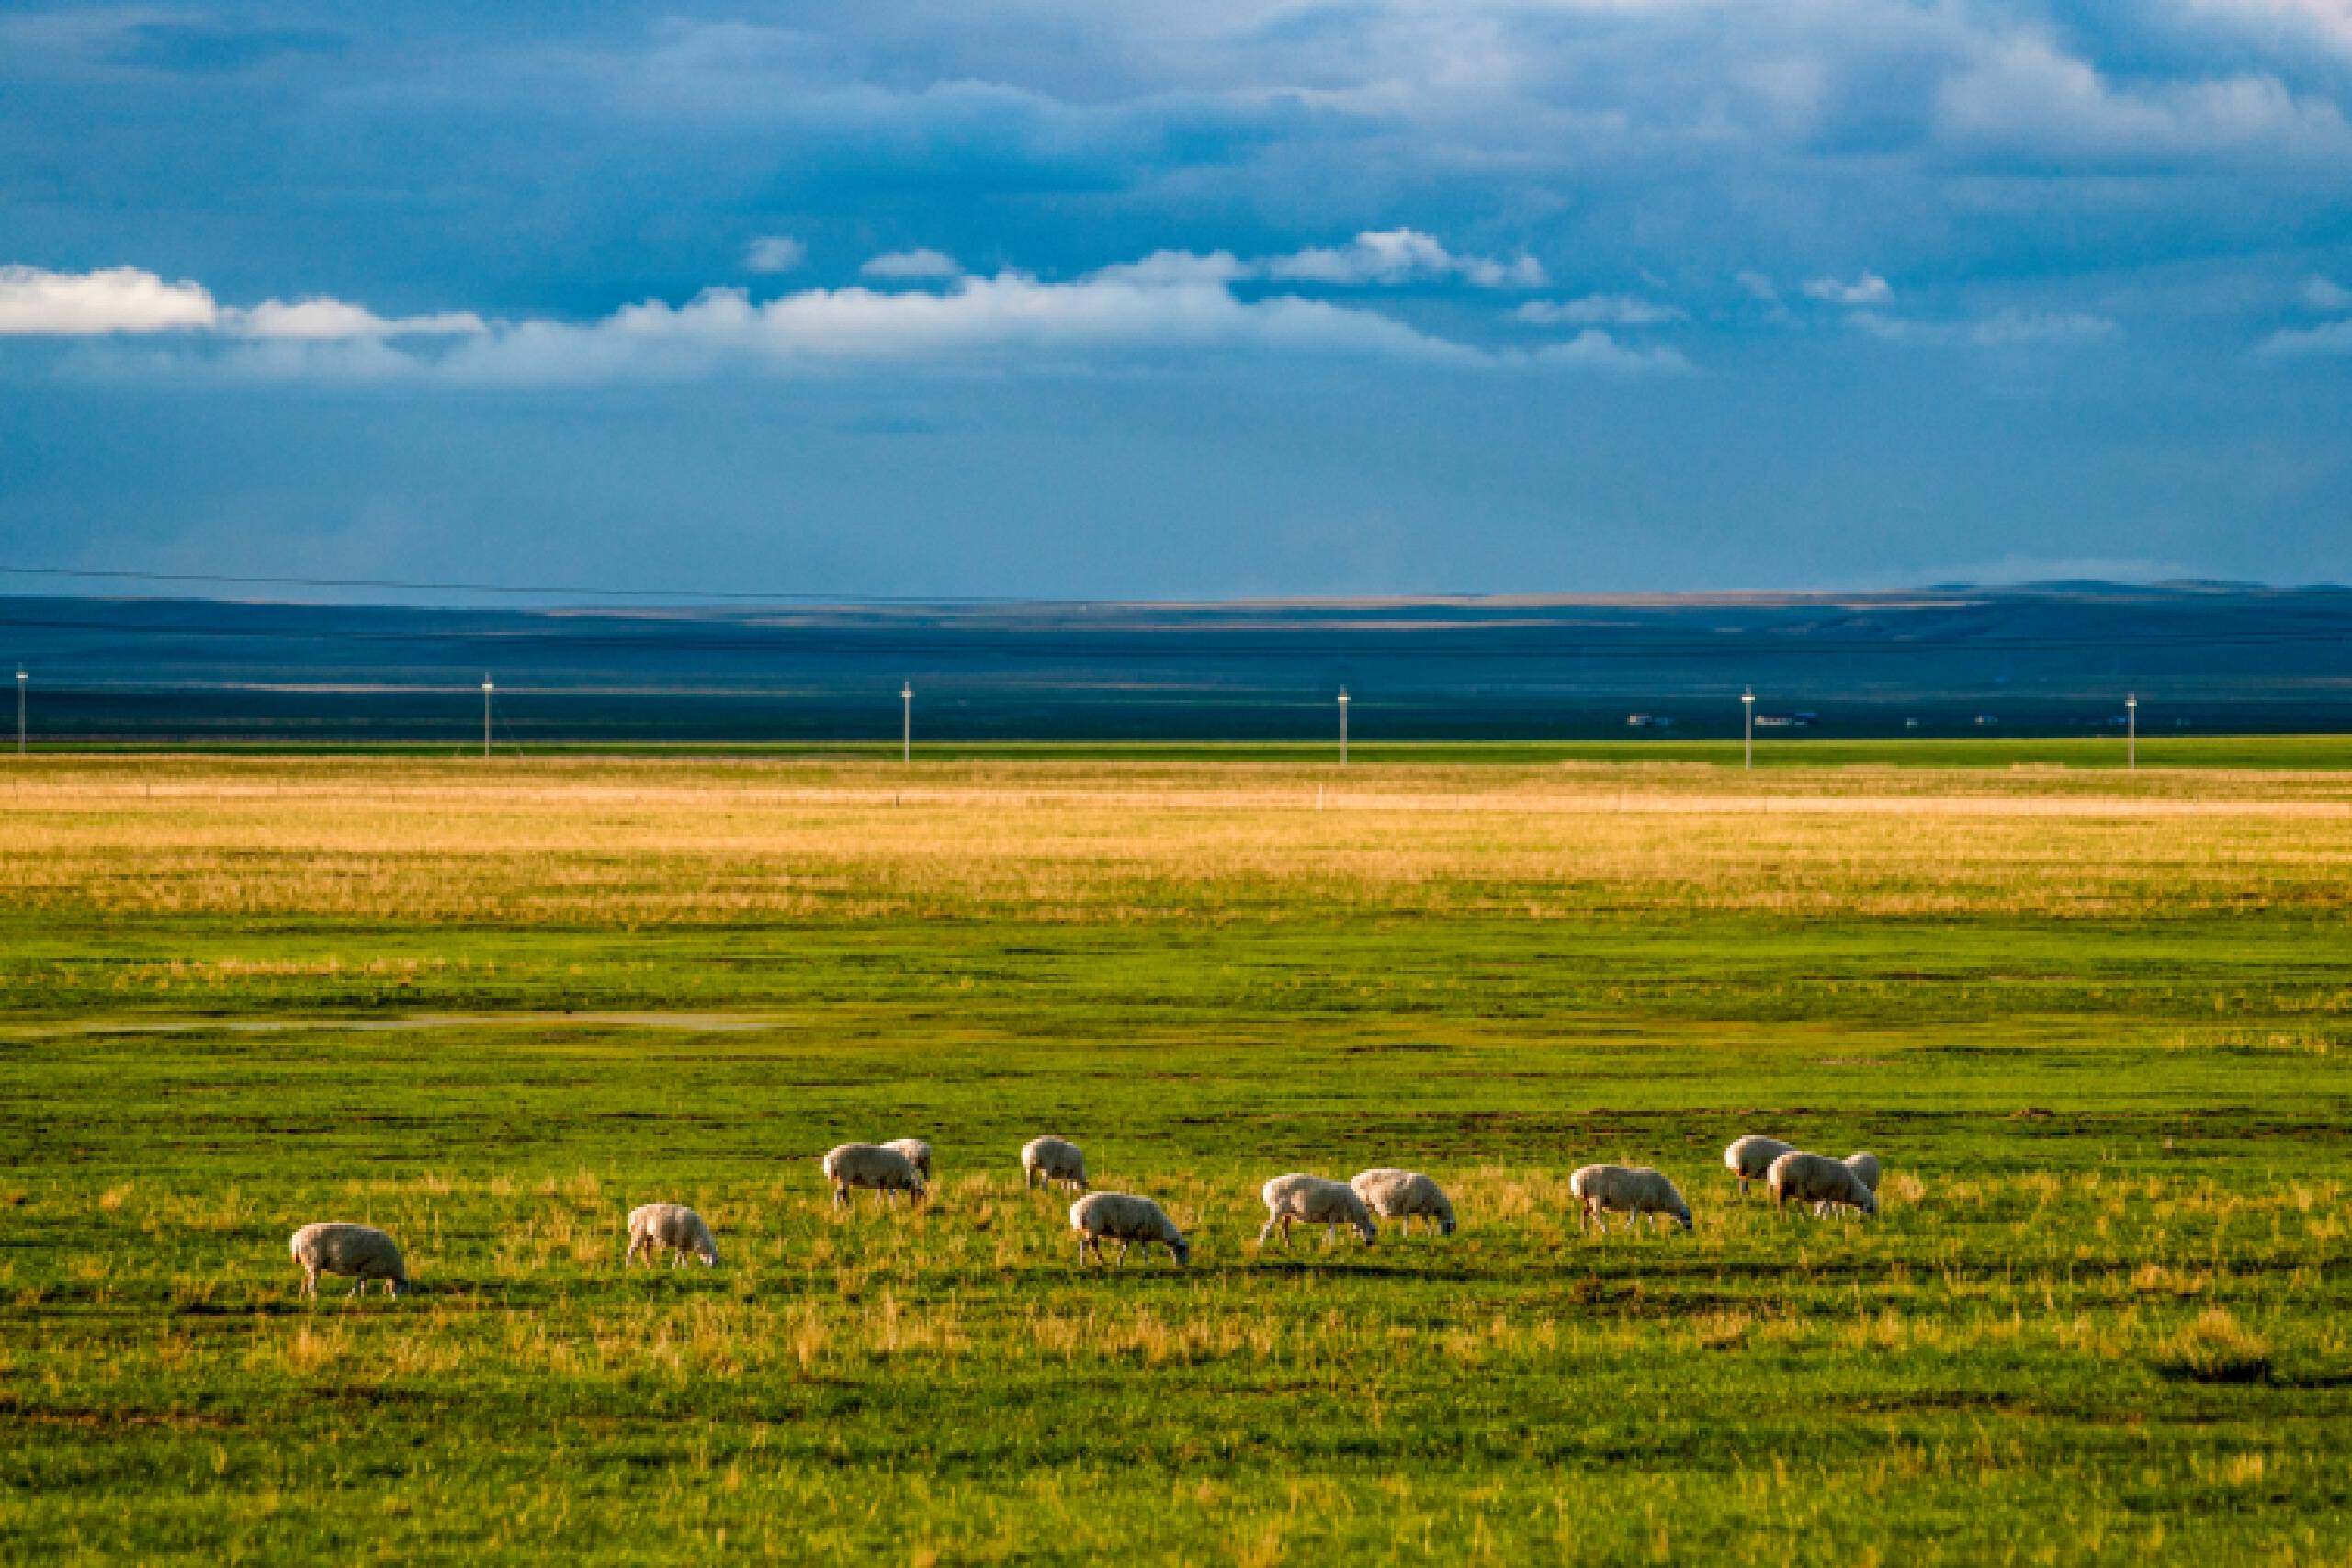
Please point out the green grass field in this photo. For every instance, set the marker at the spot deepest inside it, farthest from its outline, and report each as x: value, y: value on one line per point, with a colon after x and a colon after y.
x: 2097, y: 1026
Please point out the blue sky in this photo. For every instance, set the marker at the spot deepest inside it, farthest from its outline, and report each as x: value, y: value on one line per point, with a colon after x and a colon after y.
x: 1140, y: 301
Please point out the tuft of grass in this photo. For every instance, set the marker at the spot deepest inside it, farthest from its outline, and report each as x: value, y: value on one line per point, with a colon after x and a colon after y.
x: 2214, y: 1347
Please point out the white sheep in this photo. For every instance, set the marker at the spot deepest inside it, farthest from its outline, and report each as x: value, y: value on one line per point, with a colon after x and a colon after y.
x: 1797, y: 1176
x: 1636, y: 1192
x: 1862, y: 1164
x: 671, y: 1228
x: 362, y: 1252
x: 1748, y: 1159
x: 1044, y: 1161
x: 918, y: 1154
x: 1405, y: 1195
x: 884, y: 1171
x: 1312, y: 1200
x: 1127, y: 1219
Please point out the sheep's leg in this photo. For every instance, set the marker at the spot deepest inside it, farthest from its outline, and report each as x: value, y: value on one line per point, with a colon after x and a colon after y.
x: 1265, y: 1235
x: 1122, y: 1263
x: 309, y: 1281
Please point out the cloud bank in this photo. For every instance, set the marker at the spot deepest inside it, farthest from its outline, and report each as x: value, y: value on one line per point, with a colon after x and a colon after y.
x: 1170, y: 307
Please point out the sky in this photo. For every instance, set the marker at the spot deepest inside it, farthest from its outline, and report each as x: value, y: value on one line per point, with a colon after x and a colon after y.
x: 1073, y: 298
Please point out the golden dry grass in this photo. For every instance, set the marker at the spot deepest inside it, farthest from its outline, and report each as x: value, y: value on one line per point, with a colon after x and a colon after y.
x: 612, y: 842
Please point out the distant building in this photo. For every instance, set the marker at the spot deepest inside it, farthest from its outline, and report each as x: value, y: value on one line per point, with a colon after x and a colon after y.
x: 1987, y: 720
x: 1649, y: 721
x: 1786, y: 720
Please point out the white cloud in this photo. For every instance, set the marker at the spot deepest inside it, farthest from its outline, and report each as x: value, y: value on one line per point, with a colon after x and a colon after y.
x: 320, y: 318
x: 2327, y: 294
x: 1599, y: 310
x: 1399, y: 255
x: 911, y: 266
x: 128, y: 299
x: 1171, y: 269
x: 1008, y: 321
x: 1593, y: 349
x: 2328, y: 21
x: 2003, y: 329
x: 114, y: 299
x: 775, y: 252
x: 2010, y: 329
x: 1867, y: 289
x: 2019, y: 93
x: 1759, y: 287
x: 2327, y: 339
x: 1169, y: 306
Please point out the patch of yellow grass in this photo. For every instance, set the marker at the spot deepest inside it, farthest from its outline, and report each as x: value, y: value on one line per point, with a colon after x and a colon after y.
x: 663, y: 841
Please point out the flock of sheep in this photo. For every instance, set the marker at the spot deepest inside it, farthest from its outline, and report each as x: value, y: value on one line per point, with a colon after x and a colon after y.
x: 1637, y: 1192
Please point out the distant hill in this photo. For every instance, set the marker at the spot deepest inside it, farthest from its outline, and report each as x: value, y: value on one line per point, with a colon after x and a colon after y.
x: 2052, y: 659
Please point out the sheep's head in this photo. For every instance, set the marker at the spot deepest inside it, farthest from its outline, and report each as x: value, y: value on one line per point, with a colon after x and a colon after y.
x: 708, y: 1253
x: 399, y: 1285
x: 1446, y: 1222
x: 1869, y: 1204
x: 1184, y: 1251
x: 1367, y: 1229
x: 1682, y: 1216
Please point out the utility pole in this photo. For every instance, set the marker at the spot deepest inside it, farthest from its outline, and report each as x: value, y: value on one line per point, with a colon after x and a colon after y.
x: 907, y: 728
x: 20, y: 710
x: 1748, y: 726
x: 2132, y: 732
x: 485, y: 716
x: 1343, y: 726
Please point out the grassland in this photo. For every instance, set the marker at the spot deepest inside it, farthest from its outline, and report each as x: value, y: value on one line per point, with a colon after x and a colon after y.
x: 2096, y: 1024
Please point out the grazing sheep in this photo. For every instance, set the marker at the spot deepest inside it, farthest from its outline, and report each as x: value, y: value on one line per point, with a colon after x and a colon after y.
x: 1748, y: 1159
x: 1864, y: 1165
x: 1315, y: 1201
x: 1127, y: 1219
x: 1816, y: 1178
x: 886, y: 1170
x: 361, y: 1251
x: 1044, y: 1161
x: 671, y: 1228
x: 918, y: 1154
x: 1405, y: 1195
x: 1636, y: 1192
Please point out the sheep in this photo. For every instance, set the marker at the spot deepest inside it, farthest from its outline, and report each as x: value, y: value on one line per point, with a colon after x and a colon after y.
x: 918, y: 1154
x: 1748, y: 1159
x: 1127, y: 1219
x: 361, y: 1251
x: 1315, y: 1201
x: 1862, y: 1164
x: 886, y: 1170
x: 673, y: 1227
x: 1405, y: 1195
x: 1817, y: 1178
x: 1044, y: 1161
x: 1636, y: 1192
